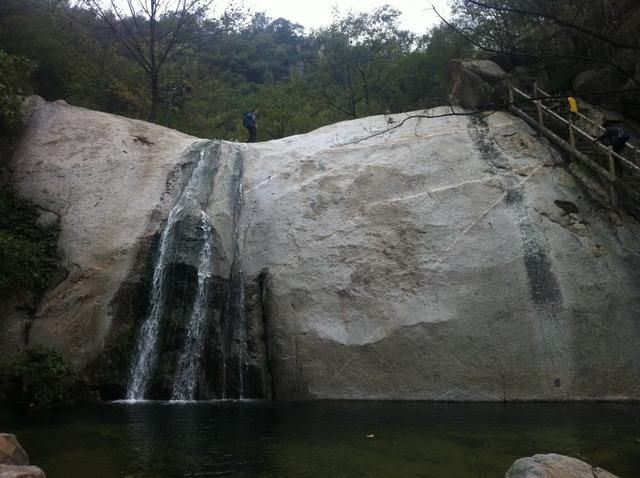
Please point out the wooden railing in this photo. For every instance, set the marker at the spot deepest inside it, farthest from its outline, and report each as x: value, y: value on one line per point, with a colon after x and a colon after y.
x: 565, y: 134
x: 635, y: 151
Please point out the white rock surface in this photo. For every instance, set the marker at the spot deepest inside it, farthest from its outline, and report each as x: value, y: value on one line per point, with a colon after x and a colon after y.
x: 104, y: 176
x: 427, y: 262
x: 431, y: 262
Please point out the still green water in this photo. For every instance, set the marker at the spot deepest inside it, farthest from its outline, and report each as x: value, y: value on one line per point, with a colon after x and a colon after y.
x: 323, y: 439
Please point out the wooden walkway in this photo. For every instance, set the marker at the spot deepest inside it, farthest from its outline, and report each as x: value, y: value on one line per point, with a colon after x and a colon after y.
x: 548, y: 114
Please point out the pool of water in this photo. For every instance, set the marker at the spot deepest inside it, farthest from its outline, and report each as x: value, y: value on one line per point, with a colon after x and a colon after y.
x: 323, y: 439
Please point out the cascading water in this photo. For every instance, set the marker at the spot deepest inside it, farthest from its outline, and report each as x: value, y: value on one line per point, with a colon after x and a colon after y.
x: 184, y: 385
x: 197, y: 319
x: 193, y: 197
x: 148, y: 335
x: 243, y: 358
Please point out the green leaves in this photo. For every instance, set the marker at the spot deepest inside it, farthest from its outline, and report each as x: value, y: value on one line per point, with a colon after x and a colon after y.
x: 38, y: 377
x: 357, y: 57
x: 28, y: 251
x: 14, y: 75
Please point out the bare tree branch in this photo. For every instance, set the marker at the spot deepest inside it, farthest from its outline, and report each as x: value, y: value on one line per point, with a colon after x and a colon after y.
x: 481, y: 113
x: 558, y: 21
x: 627, y: 74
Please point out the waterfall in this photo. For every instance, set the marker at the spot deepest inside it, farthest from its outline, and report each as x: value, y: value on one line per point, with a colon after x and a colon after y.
x: 236, y: 359
x: 197, y: 318
x: 243, y: 358
x: 193, y: 196
x: 148, y: 336
x: 184, y: 385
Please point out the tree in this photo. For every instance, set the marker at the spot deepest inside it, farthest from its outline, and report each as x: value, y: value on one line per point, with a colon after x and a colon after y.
x: 569, y: 34
x: 152, y: 32
x: 287, y: 110
x: 14, y: 81
x: 418, y: 80
x: 356, y: 52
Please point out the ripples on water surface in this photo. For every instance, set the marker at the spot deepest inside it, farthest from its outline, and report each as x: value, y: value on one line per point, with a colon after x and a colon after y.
x: 323, y: 439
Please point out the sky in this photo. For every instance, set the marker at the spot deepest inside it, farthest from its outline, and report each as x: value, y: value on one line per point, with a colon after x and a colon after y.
x: 417, y: 15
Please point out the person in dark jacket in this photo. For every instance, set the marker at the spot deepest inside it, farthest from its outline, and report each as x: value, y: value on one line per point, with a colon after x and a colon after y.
x: 617, y: 138
x: 250, y: 121
x: 614, y: 134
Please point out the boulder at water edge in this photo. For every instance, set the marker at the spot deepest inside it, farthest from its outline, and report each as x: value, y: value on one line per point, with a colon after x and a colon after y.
x: 10, y: 471
x: 554, y: 466
x: 11, y: 453
x: 14, y: 462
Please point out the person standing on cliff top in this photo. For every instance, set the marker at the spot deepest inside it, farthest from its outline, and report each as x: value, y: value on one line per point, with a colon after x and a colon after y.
x: 250, y: 121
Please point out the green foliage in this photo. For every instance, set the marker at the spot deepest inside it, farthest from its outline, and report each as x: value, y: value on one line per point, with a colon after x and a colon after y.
x: 358, y: 54
x: 28, y: 251
x: 286, y: 110
x: 38, y: 377
x: 420, y: 73
x: 217, y: 68
x: 14, y: 73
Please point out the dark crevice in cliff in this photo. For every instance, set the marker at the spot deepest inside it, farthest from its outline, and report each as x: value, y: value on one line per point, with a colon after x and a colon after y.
x: 264, y: 280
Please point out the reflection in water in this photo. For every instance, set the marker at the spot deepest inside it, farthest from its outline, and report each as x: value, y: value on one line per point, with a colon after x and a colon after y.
x: 323, y: 439
x: 179, y: 439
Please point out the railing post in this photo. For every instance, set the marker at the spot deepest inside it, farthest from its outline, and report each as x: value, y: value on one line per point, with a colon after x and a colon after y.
x: 511, y: 97
x: 572, y: 135
x: 539, y: 106
x: 538, y: 103
x: 613, y: 197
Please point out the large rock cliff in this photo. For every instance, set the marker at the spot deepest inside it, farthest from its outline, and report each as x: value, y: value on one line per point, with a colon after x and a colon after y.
x: 450, y: 258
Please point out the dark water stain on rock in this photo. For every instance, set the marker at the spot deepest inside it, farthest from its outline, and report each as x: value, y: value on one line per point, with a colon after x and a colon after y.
x: 543, y: 284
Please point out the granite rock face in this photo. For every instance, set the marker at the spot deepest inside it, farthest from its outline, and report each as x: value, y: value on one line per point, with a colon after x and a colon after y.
x: 110, y: 181
x: 476, y: 84
x: 554, y: 466
x: 450, y: 258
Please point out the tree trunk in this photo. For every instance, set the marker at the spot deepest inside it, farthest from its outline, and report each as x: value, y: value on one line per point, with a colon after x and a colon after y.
x: 155, y: 95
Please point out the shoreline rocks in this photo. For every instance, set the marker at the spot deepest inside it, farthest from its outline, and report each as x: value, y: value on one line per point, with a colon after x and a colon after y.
x: 14, y: 461
x: 555, y: 466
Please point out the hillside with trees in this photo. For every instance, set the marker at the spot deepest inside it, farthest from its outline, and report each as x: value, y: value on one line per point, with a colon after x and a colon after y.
x: 176, y: 65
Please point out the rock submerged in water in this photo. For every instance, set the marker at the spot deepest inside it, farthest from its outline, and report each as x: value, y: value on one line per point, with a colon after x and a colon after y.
x: 14, y: 461
x: 555, y: 466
